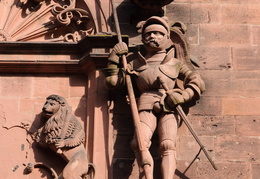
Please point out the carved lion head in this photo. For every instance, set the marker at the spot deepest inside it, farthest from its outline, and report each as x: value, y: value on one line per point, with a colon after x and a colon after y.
x: 54, y: 112
x: 55, y: 106
x: 52, y: 105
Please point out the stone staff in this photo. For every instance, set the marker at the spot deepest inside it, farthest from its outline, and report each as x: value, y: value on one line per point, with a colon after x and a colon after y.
x: 188, y: 124
x: 136, y: 119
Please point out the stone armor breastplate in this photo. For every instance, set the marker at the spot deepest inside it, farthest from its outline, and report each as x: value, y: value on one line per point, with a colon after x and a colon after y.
x: 147, y: 80
x: 150, y: 88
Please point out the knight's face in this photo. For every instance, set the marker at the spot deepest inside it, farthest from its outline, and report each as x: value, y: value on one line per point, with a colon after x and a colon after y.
x: 50, y: 108
x: 154, y: 41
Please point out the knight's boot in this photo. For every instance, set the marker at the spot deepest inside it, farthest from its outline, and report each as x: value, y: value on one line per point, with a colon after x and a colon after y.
x: 168, y: 153
x: 145, y: 165
x: 145, y: 170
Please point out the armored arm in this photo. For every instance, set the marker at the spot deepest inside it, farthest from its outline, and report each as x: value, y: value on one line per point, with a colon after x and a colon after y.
x: 193, y: 84
x: 114, y: 74
x: 193, y: 87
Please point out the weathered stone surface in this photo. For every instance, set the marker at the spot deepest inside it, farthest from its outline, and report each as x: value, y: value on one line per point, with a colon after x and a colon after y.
x: 211, y: 57
x: 247, y: 125
x: 214, y: 125
x: 189, y: 148
x: 205, y: 13
x: 241, y: 14
x: 233, y: 148
x: 207, y: 106
x: 179, y: 12
x: 189, y: 168
x: 230, y: 83
x: 192, y: 33
x: 77, y: 85
x: 240, y: 106
x: 237, y: 1
x: 228, y: 170
x: 228, y: 34
x: 16, y: 86
x: 58, y: 86
x: 246, y: 58
x: 255, y: 170
x: 255, y: 34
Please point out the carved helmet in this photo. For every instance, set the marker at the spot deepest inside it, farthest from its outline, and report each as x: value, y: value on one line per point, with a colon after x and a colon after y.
x: 155, y: 23
x: 160, y: 23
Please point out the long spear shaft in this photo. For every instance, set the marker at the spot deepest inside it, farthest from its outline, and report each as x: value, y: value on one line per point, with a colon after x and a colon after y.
x: 136, y: 119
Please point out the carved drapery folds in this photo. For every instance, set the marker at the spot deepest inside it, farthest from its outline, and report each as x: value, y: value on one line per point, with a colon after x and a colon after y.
x: 44, y: 20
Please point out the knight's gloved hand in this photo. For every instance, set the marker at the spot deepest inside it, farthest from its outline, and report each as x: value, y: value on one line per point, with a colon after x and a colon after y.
x: 177, y: 96
x: 120, y: 49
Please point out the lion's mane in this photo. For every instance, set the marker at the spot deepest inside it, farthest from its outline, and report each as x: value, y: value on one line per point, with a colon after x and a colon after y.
x: 62, y: 125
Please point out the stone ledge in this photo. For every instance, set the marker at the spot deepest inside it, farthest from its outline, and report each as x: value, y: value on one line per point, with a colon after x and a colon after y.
x: 46, y: 57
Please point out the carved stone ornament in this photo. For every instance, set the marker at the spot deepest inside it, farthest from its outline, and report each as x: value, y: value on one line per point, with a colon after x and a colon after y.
x: 151, y: 4
x: 62, y: 133
x: 44, y: 20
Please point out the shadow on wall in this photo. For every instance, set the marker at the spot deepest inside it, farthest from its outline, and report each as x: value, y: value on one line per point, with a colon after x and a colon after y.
x: 129, y: 15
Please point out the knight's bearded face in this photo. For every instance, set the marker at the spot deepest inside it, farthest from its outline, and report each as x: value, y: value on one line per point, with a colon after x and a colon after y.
x: 50, y: 108
x: 154, y: 40
x: 155, y: 37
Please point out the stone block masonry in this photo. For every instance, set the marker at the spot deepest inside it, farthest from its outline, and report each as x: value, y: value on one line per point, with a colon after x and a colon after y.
x: 224, y: 36
x: 22, y: 99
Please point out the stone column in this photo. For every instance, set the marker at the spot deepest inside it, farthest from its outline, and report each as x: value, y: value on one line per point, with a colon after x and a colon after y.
x: 98, y: 124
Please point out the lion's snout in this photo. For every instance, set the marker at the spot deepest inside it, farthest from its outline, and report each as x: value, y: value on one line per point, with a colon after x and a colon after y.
x: 46, y: 112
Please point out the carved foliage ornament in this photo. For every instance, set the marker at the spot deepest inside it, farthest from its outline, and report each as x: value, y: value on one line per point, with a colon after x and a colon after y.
x: 44, y: 20
x: 151, y: 4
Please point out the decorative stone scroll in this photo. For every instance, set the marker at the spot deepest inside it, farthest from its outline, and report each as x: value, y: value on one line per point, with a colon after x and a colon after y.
x: 44, y: 20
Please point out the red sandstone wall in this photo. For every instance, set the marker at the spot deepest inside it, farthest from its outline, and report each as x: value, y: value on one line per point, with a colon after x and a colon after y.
x: 21, y: 98
x: 225, y: 36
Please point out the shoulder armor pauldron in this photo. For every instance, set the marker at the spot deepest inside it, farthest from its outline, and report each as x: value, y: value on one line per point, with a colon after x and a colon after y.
x: 170, y: 66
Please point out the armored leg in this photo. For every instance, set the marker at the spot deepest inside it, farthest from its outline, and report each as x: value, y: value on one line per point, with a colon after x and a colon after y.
x: 167, y: 130
x: 148, y: 124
